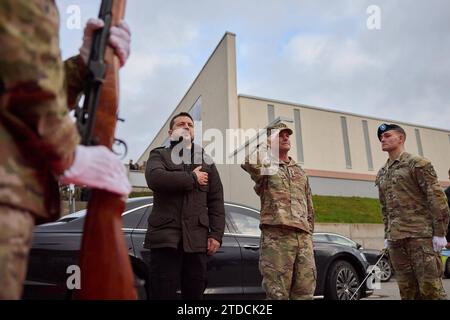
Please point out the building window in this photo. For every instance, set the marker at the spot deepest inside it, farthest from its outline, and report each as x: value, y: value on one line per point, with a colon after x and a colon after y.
x: 419, y: 142
x: 270, y: 112
x: 368, y: 148
x: 196, y: 110
x: 348, y: 159
x: 196, y: 114
x: 298, y: 136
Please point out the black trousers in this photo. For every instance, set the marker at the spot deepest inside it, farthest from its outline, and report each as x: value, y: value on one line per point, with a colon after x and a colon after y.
x: 173, y: 269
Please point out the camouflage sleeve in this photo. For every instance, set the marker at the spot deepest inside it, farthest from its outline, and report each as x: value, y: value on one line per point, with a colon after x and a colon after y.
x: 309, y: 202
x: 75, y: 71
x: 437, y: 201
x: 382, y: 199
x: 384, y: 213
x: 34, y: 105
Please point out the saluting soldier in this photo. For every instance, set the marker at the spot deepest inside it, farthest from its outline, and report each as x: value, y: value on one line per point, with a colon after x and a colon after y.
x: 415, y: 215
x: 287, y: 218
x: 38, y: 139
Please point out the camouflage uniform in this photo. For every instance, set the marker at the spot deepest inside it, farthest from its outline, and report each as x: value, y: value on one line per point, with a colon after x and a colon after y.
x: 414, y: 210
x: 287, y: 264
x: 16, y: 228
x: 37, y: 135
x: 287, y: 223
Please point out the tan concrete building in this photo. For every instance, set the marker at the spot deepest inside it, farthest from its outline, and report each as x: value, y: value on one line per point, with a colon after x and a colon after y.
x: 339, y: 150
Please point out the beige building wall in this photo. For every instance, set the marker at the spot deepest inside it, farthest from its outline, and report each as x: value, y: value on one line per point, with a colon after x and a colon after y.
x: 323, y: 142
x: 436, y: 147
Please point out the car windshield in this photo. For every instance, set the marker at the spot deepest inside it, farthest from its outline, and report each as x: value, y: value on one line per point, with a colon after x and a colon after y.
x: 334, y: 238
x: 320, y: 237
x: 342, y: 240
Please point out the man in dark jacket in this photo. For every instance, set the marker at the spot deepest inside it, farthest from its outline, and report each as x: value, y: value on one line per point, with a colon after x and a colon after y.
x: 188, y: 218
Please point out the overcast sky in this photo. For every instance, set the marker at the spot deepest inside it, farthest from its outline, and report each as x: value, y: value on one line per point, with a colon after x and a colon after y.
x: 315, y: 52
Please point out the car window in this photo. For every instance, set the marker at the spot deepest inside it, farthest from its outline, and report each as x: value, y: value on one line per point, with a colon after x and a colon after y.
x: 320, y: 238
x: 130, y: 205
x: 244, y: 224
x: 342, y: 240
x: 132, y: 219
x: 143, y: 224
x: 227, y: 228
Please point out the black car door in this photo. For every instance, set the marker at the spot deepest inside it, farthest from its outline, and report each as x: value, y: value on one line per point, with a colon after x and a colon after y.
x: 245, y: 225
x: 54, y: 249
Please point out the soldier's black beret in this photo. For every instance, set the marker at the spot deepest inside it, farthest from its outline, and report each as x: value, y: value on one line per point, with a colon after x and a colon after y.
x: 386, y: 127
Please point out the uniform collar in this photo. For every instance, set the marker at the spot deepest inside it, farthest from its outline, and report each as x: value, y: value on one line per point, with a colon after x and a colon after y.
x: 270, y: 158
x: 282, y: 163
x: 400, y: 158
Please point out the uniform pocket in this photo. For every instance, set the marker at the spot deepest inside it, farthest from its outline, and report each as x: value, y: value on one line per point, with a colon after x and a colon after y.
x: 432, y: 264
x: 275, y: 182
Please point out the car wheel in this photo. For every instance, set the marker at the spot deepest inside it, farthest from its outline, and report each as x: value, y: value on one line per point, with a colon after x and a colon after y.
x: 342, y: 282
x: 385, y: 270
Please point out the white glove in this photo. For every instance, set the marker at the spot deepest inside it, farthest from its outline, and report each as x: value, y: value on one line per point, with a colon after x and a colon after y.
x: 386, y: 244
x: 119, y: 39
x: 97, y: 167
x: 439, y: 243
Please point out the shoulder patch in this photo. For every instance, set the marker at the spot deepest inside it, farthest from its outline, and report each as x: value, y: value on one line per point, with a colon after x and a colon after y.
x: 428, y: 168
x: 420, y: 162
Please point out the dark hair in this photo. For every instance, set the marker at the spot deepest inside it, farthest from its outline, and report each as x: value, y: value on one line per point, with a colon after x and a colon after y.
x: 181, y: 114
x: 401, y: 131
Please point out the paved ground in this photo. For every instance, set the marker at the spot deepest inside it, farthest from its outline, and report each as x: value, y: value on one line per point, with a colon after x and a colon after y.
x: 389, y: 290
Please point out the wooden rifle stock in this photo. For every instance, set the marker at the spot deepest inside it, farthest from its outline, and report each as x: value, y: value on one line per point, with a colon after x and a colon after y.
x: 106, y: 271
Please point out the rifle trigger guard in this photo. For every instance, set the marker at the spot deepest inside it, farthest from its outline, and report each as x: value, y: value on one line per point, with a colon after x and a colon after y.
x: 120, y: 142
